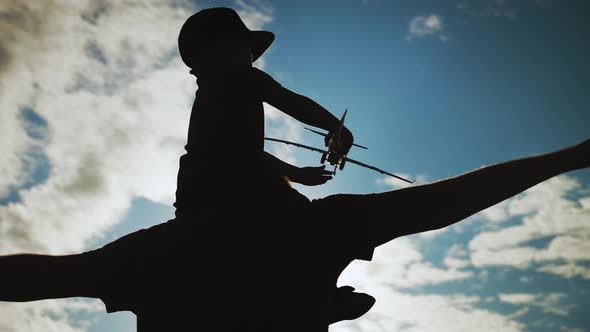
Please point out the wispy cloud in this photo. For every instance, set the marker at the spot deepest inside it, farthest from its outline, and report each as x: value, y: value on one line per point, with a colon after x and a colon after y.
x: 48, y: 315
x: 256, y: 14
x: 280, y: 125
x: 548, y: 213
x: 427, y: 25
x: 395, y: 311
x: 552, y: 303
x: 517, y: 298
x: 567, y: 270
x: 494, y: 8
x: 399, y: 266
x: 456, y: 257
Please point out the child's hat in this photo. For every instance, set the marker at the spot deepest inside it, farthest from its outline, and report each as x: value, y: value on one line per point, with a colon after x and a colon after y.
x: 212, y: 23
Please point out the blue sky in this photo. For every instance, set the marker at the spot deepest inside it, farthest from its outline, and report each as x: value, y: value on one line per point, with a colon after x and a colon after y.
x: 433, y: 88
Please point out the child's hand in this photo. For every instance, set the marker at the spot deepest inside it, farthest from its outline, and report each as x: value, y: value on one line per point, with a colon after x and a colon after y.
x: 311, y: 176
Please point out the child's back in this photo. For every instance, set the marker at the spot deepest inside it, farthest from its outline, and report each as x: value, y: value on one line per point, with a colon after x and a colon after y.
x: 224, y: 158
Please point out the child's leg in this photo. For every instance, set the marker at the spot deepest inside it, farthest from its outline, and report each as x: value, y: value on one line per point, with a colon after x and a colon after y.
x: 29, y: 277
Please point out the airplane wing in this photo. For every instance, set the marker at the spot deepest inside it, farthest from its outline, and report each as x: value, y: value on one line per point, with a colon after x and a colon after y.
x: 347, y: 159
x: 296, y: 144
x: 376, y: 169
x: 316, y: 132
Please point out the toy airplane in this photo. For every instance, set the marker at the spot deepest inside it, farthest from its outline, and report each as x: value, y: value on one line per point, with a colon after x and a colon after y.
x: 332, y: 155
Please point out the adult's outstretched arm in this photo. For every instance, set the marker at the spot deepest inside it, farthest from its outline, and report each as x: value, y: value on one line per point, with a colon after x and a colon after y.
x: 439, y: 204
x: 32, y: 277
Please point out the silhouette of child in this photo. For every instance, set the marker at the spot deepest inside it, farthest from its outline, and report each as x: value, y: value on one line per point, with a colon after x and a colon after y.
x: 227, y: 125
x: 258, y: 255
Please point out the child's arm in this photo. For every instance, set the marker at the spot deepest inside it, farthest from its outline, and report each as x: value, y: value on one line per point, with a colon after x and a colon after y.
x: 309, y: 176
x: 307, y: 111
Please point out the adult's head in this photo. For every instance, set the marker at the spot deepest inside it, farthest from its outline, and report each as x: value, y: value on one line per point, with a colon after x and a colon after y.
x: 218, y: 36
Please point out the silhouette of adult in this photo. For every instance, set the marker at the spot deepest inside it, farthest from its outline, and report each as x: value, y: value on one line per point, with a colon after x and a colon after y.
x: 247, y: 251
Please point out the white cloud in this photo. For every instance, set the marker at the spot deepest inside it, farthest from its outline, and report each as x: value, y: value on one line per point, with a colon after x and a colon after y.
x: 396, y: 311
x: 546, y: 213
x: 519, y: 313
x: 517, y: 298
x: 256, y: 14
x: 456, y: 257
x: 568, y: 270
x: 46, y: 316
x: 280, y: 125
x: 496, y: 213
x: 427, y: 25
x: 563, y: 328
x: 552, y: 303
x: 519, y: 257
x: 400, y: 265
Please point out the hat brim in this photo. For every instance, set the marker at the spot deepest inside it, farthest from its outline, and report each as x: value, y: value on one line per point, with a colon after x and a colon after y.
x: 260, y: 41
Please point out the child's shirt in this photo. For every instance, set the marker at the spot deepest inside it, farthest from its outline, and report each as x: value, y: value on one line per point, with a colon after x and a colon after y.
x: 225, y: 145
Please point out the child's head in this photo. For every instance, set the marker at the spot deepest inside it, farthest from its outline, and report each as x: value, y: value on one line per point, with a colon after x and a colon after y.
x: 218, y: 37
